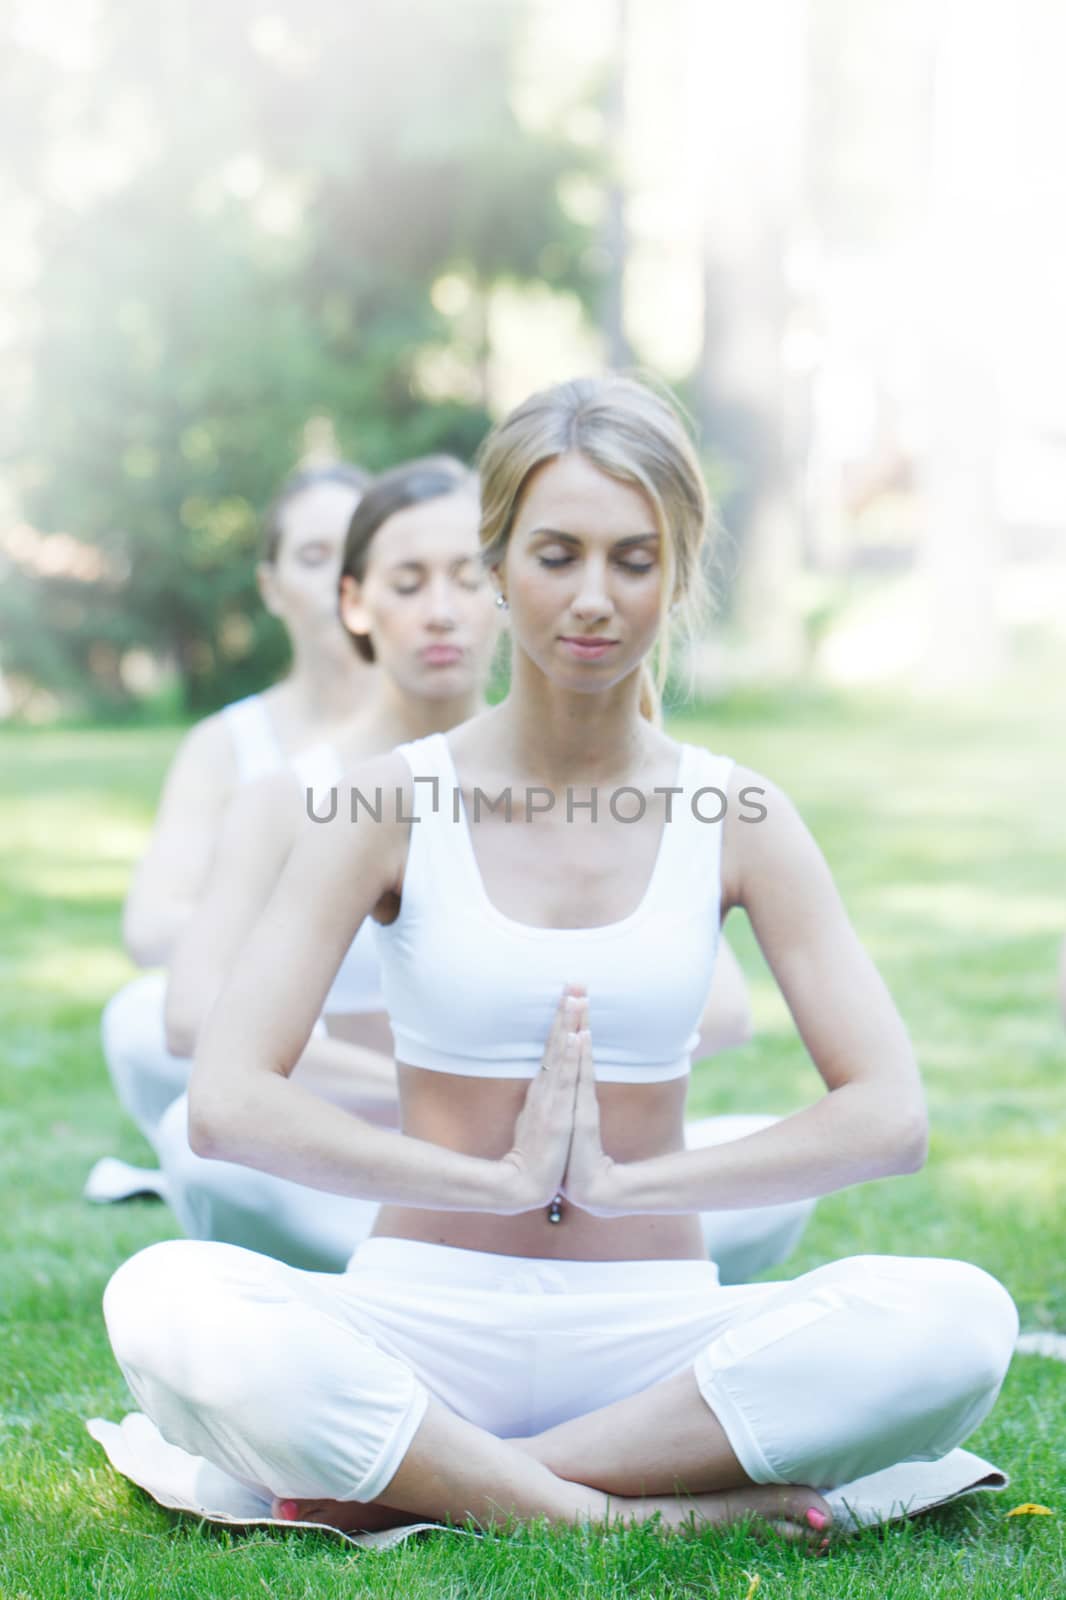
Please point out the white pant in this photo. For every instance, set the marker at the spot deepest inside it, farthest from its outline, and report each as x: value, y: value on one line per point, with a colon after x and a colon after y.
x: 146, y: 1076
x: 309, y: 1228
x: 313, y: 1384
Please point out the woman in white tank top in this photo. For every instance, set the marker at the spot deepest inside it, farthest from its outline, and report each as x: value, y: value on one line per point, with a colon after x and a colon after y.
x: 325, y: 686
x: 532, y: 1329
x: 419, y: 605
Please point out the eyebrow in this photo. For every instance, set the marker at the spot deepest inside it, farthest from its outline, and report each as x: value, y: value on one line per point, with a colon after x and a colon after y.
x: 571, y: 538
x: 420, y: 566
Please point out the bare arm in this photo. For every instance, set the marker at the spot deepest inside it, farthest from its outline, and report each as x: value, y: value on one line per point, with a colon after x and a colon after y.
x: 170, y: 876
x: 871, y: 1122
x: 260, y: 828
x: 253, y: 842
x: 244, y: 1105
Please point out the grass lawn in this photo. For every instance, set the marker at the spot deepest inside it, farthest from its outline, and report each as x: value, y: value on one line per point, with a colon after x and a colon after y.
x: 945, y: 832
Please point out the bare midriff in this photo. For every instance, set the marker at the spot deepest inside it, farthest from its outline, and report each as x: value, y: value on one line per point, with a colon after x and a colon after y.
x: 477, y: 1116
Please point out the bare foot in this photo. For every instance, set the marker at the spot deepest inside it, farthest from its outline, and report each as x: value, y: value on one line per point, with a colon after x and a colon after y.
x: 794, y: 1511
x: 347, y: 1516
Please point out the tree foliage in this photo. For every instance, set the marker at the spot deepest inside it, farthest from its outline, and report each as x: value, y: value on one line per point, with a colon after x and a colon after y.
x: 283, y: 192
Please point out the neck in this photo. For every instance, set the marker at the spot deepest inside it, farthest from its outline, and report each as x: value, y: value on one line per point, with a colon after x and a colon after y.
x: 393, y: 716
x: 325, y: 687
x: 563, y: 737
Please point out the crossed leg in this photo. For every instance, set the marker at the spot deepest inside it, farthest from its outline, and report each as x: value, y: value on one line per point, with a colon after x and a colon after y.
x: 859, y: 1364
x: 660, y: 1452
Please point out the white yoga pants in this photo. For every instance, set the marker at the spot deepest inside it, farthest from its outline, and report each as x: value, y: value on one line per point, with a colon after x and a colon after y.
x: 146, y: 1076
x: 309, y: 1228
x: 313, y: 1385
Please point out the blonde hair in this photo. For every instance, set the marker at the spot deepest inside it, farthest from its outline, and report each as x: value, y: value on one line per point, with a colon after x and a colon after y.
x: 636, y: 435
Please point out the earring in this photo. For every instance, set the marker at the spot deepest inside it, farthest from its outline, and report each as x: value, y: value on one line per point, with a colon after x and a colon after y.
x: 501, y: 601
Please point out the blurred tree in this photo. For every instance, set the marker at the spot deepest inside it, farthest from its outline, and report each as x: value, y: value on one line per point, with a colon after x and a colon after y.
x: 243, y: 216
x: 744, y: 396
x: 615, y: 232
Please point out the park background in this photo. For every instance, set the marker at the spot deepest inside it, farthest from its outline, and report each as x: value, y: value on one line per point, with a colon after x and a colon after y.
x: 240, y: 236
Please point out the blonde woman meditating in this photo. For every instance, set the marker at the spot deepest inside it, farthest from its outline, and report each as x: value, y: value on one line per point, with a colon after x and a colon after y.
x: 416, y: 599
x: 533, y: 1327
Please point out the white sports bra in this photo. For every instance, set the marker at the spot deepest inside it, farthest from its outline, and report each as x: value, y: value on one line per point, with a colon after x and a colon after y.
x: 255, y: 744
x: 357, y: 987
x: 471, y: 991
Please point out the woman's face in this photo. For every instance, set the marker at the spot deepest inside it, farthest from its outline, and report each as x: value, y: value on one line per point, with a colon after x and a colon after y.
x: 300, y: 585
x: 425, y: 601
x: 582, y: 575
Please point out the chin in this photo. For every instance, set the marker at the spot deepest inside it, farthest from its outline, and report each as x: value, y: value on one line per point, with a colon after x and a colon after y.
x: 593, y: 677
x: 444, y: 683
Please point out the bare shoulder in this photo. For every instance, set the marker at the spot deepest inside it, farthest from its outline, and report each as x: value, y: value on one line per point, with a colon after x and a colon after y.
x: 208, y: 743
x: 268, y: 807
x: 203, y: 770
x: 764, y: 840
x: 475, y: 739
x: 363, y: 824
x: 381, y: 774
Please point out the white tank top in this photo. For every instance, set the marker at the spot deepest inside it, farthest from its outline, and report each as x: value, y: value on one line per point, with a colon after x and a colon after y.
x: 255, y: 744
x: 357, y: 987
x: 471, y: 991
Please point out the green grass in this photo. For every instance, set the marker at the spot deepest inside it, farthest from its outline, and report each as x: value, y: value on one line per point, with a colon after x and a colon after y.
x: 945, y: 833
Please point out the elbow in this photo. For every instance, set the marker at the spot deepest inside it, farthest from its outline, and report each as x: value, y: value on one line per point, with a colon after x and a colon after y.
x: 181, y: 1024
x: 202, y: 1125
x: 188, y: 1002
x: 211, y: 1123
x: 206, y: 1127
x: 142, y: 947
x: 910, y: 1142
x: 225, y: 1121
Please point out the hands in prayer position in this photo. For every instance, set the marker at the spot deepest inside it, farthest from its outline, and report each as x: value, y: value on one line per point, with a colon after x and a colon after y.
x: 557, y: 1147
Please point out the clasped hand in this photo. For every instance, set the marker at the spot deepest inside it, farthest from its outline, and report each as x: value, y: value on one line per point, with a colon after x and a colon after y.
x: 557, y: 1148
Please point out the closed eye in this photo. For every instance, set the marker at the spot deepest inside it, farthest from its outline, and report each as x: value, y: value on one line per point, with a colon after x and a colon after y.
x: 625, y: 566
x: 314, y: 554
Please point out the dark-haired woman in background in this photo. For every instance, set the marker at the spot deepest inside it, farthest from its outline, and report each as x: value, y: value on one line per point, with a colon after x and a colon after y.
x: 325, y: 686
x: 417, y: 605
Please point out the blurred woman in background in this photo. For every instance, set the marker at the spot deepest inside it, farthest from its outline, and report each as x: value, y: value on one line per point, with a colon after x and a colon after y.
x: 325, y: 686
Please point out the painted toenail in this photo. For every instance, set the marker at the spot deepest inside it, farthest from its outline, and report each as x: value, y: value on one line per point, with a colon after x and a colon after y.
x: 288, y: 1510
x: 817, y: 1519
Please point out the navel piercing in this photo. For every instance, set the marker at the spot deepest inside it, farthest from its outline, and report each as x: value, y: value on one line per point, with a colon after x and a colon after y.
x: 501, y: 601
x: 555, y: 1210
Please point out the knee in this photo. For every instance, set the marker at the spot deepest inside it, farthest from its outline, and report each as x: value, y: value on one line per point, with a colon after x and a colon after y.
x: 133, y: 1018
x: 166, y: 1321
x: 137, y: 1301
x: 173, y: 1134
x: 955, y: 1328
x: 981, y: 1323
x: 180, y: 1163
